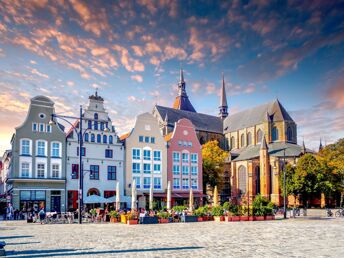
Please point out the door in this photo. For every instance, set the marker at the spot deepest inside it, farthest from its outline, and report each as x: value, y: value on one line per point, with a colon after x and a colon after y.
x: 56, y: 203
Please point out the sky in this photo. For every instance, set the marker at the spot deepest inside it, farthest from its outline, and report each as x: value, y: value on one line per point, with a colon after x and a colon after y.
x: 131, y: 51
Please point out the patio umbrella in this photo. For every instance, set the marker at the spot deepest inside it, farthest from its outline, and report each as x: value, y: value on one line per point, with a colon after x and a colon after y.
x: 151, y: 197
x: 191, y: 200
x: 133, y: 195
x: 118, y: 199
x: 94, y: 199
x: 169, y: 195
x: 215, y: 197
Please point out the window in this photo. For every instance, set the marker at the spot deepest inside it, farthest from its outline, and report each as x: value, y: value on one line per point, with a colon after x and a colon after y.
x: 157, y: 155
x: 99, y: 138
x: 259, y: 136
x: 180, y: 143
x: 194, y: 170
x: 274, y: 134
x: 194, y: 183
x: 40, y: 170
x: 190, y: 144
x: 157, y: 168
x: 55, y: 171
x: 108, y: 153
x: 25, y: 147
x: 176, y: 169
x: 25, y: 169
x: 140, y: 138
x: 146, y: 168
x: 83, y: 151
x: 185, y: 183
x: 194, y: 158
x: 92, y: 138
x: 32, y: 195
x: 95, y: 125
x: 185, y: 157
x: 34, y: 127
x: 86, y: 137
x: 89, y: 124
x: 185, y: 170
x: 41, y: 127
x: 289, y: 134
x: 152, y: 139
x: 176, y: 183
x: 136, y: 168
x: 185, y: 143
x: 146, y: 154
x: 242, y: 179
x: 40, y: 148
x: 104, y: 139
x: 102, y: 126
x: 249, y: 139
x: 137, y: 181
x: 111, y: 172
x: 108, y: 194
x: 94, y: 172
x: 232, y: 142
x: 75, y: 171
x: 242, y: 140
x: 55, y: 150
x: 157, y: 183
x: 136, y: 154
x: 176, y: 156
x: 110, y: 139
x: 48, y: 128
x: 95, y: 116
x: 146, y: 182
x: 146, y: 139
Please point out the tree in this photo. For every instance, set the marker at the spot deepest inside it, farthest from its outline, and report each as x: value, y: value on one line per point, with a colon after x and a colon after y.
x: 331, y: 178
x: 213, y: 160
x: 290, y: 184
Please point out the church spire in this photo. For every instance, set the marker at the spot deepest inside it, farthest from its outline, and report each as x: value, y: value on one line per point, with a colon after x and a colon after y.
x: 182, y: 101
x: 181, y: 84
x: 303, y: 149
x: 320, y: 145
x: 223, y: 100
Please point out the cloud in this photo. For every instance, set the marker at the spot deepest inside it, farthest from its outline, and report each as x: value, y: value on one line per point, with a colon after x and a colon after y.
x: 137, y: 78
x: 336, y: 93
x: 36, y: 72
x: 70, y: 83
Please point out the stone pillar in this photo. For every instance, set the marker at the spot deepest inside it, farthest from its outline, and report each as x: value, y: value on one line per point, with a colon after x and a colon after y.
x: 275, y: 191
x: 234, y: 183
x: 264, y: 170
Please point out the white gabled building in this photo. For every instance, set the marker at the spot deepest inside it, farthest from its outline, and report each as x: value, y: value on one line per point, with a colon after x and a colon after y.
x: 103, y: 156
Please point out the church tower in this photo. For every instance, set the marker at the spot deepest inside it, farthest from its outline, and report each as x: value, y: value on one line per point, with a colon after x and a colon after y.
x: 182, y: 101
x: 223, y: 101
x: 264, y: 168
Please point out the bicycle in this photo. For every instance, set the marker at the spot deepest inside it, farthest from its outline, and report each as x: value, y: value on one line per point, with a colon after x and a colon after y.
x: 329, y: 212
x: 340, y: 212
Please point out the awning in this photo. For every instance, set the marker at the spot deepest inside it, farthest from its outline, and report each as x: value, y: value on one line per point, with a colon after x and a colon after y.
x: 95, y: 199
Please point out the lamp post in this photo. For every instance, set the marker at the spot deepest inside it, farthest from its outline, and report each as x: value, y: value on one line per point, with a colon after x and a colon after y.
x: 284, y: 189
x: 80, y: 141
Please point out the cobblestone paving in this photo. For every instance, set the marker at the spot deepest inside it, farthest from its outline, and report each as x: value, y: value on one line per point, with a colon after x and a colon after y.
x: 290, y: 238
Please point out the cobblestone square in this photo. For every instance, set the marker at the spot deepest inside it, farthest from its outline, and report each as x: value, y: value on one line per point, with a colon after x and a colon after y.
x: 290, y: 238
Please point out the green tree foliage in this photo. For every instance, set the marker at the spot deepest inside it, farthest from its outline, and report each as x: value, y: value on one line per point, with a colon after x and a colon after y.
x: 213, y: 160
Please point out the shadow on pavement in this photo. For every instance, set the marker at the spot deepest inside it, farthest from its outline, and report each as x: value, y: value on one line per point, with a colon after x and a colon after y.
x: 12, y: 237
x: 74, y: 252
x: 22, y: 243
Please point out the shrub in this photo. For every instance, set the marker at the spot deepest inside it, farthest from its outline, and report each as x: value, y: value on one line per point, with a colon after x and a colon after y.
x: 217, y: 211
x: 163, y: 215
x: 114, y: 214
x: 179, y: 208
x: 262, y: 206
x: 199, y: 212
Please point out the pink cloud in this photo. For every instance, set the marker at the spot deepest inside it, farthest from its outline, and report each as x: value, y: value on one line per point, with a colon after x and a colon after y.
x: 137, y: 78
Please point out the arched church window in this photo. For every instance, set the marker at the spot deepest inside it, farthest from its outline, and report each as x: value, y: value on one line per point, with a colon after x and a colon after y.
x: 274, y: 134
x: 242, y: 180
x: 259, y: 136
x: 249, y: 138
x: 289, y: 134
x: 257, y: 170
x: 242, y: 140
x: 232, y: 142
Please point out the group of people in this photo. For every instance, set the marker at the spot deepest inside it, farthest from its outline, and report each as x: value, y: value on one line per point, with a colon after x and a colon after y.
x: 11, y: 213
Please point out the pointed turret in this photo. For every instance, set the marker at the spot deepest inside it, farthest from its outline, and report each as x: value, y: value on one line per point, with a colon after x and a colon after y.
x: 303, y: 148
x: 223, y: 100
x: 182, y: 101
x: 264, y: 161
x: 264, y: 145
x: 267, y: 116
x: 320, y: 145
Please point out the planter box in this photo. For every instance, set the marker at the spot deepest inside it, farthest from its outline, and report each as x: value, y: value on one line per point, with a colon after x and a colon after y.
x: 270, y: 217
x: 199, y: 219
x: 250, y: 218
x: 228, y: 219
x: 235, y: 218
x: 243, y: 218
x: 114, y: 220
x: 258, y: 218
x: 163, y: 220
x: 149, y: 220
x: 132, y: 222
x: 219, y: 218
x: 189, y: 218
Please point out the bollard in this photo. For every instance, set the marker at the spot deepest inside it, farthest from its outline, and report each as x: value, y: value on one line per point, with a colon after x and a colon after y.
x: 2, y: 249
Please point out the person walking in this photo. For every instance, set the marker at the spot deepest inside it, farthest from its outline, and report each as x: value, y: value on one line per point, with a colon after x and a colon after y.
x: 41, y: 214
x: 9, y: 211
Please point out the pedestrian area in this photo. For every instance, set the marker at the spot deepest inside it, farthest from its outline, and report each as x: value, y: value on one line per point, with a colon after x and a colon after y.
x: 290, y: 238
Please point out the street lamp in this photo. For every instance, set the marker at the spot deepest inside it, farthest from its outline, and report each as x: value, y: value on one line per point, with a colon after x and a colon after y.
x: 80, y: 140
x: 284, y: 189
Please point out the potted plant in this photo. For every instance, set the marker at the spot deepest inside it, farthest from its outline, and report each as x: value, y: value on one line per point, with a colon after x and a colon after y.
x: 258, y: 208
x: 114, y: 215
x: 199, y: 212
x: 132, y: 218
x: 93, y: 213
x: 243, y: 213
x: 269, y: 215
x: 163, y: 216
x: 206, y: 214
x: 218, y: 212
